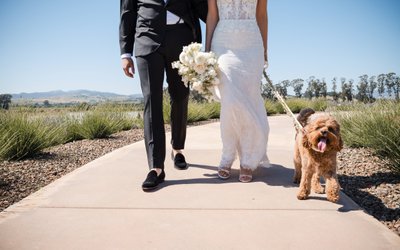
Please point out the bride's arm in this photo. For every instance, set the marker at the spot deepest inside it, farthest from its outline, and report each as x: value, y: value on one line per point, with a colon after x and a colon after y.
x: 211, y: 23
x: 262, y: 21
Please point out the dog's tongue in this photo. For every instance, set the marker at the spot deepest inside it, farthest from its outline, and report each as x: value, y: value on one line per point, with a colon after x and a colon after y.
x: 322, y: 145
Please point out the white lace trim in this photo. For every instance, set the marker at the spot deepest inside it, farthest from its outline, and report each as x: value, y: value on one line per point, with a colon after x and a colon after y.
x: 237, y: 9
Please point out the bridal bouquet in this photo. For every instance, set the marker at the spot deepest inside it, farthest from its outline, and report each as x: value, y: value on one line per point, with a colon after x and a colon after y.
x: 198, y: 69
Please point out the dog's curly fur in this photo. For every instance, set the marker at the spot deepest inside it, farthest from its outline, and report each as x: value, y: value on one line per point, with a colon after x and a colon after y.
x: 311, y: 160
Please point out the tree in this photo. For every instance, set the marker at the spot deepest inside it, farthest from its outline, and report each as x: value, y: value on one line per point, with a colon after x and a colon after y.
x: 381, y: 84
x: 282, y: 88
x: 5, y: 100
x: 308, y: 93
x: 266, y: 91
x: 335, y: 95
x: 349, y: 93
x: 343, y: 87
x: 323, y: 88
x: 362, y: 88
x: 297, y: 85
x: 46, y: 103
x: 396, y: 87
x: 390, y: 82
x: 347, y: 90
x: 312, y: 88
x: 317, y: 88
x: 371, y: 88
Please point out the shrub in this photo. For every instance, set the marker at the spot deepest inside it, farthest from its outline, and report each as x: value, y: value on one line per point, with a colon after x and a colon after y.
x: 99, y: 124
x: 22, y: 136
x: 273, y: 107
x: 376, y: 127
x: 296, y: 104
x: 72, y: 130
x: 203, y: 111
x: 197, y: 111
x: 319, y: 104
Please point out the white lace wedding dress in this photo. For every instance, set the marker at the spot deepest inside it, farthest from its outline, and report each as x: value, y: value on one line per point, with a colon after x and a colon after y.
x: 238, y: 44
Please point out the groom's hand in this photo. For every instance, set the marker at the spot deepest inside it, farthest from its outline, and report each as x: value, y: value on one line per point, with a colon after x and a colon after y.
x: 128, y: 67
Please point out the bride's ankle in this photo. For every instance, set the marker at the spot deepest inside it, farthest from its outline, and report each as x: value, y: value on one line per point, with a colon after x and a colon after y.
x: 246, y: 170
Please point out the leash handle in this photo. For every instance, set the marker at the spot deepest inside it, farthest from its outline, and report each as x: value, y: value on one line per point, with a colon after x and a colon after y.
x: 282, y: 101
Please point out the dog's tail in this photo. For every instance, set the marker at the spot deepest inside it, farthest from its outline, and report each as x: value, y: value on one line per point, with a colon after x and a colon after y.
x: 304, y: 114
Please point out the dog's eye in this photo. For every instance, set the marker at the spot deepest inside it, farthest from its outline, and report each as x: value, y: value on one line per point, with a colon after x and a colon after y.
x: 331, y: 129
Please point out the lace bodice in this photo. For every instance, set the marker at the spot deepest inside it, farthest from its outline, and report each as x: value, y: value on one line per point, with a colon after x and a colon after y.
x: 237, y: 9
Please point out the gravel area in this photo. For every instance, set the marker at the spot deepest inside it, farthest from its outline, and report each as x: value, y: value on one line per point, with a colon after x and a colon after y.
x: 368, y: 181
x: 363, y: 177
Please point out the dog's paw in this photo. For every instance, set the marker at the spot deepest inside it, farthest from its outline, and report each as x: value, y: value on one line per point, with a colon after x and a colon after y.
x: 302, y: 195
x: 333, y: 198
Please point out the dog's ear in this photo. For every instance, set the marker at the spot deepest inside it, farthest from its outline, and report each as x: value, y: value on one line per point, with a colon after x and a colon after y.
x: 340, y: 147
x: 339, y: 137
x: 338, y: 143
x: 305, y: 142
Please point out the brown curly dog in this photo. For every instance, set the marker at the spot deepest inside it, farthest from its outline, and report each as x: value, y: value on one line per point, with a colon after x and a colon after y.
x: 315, y: 154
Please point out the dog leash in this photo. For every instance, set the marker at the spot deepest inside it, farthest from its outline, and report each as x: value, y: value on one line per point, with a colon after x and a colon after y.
x: 297, y: 124
x: 282, y: 101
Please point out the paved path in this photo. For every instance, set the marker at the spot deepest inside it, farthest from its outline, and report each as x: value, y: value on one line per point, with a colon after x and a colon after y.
x: 101, y: 206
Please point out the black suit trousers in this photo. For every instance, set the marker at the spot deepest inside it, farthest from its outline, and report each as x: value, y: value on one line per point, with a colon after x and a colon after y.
x: 151, y: 70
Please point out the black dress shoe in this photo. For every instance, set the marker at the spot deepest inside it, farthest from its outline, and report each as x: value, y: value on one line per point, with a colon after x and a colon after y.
x: 152, y: 180
x: 179, y: 162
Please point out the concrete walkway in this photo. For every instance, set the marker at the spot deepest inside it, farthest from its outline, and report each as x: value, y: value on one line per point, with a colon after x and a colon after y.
x: 101, y: 206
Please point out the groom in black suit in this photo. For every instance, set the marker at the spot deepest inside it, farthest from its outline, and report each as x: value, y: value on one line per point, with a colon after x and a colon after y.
x: 158, y: 29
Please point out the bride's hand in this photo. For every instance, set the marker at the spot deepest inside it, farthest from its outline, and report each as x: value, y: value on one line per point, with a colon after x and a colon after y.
x: 266, y: 64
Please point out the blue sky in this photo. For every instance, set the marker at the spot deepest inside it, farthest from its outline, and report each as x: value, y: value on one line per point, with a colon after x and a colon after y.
x: 50, y: 45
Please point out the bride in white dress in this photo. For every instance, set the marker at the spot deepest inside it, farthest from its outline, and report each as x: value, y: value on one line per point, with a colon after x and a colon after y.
x: 237, y: 34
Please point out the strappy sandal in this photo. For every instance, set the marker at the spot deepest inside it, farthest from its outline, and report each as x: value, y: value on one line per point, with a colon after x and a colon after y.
x: 246, y: 175
x: 224, y: 172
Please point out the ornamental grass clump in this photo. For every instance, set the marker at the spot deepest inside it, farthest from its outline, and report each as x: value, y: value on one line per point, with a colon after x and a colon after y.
x: 22, y: 136
x: 203, y: 111
x: 374, y: 126
x: 98, y: 124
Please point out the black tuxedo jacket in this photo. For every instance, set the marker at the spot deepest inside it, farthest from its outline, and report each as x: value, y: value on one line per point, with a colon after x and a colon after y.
x: 143, y: 22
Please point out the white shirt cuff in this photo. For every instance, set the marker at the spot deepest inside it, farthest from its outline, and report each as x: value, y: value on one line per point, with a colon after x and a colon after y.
x: 126, y: 55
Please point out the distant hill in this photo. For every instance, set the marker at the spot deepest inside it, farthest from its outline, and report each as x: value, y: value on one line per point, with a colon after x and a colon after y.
x: 73, y: 96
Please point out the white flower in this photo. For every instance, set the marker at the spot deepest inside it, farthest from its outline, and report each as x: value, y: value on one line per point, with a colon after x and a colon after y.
x: 197, y: 86
x: 182, y: 70
x: 185, y: 81
x: 201, y: 58
x: 176, y: 65
x: 198, y: 69
x: 212, y: 73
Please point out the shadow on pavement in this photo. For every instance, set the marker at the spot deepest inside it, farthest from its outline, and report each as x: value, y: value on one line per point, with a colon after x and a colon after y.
x: 275, y: 175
